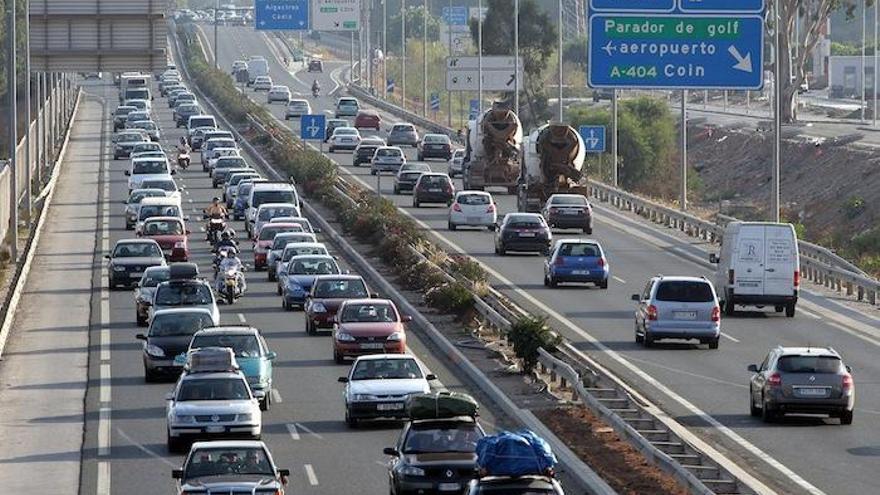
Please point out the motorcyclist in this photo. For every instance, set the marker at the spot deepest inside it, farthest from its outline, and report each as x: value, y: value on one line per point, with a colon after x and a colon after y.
x: 316, y: 88
x: 230, y: 262
x: 216, y: 209
x: 226, y: 240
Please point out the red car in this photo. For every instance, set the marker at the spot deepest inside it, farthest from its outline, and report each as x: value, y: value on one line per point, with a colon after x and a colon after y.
x: 266, y: 237
x: 327, y: 294
x: 170, y: 233
x: 368, y: 119
x: 368, y: 326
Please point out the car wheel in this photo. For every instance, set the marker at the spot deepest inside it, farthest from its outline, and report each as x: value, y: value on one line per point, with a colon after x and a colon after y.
x: 351, y: 422
x: 490, y: 228
x: 141, y: 322
x: 588, y: 230
x: 338, y: 358
x: 551, y: 280
x: 753, y: 410
x: 450, y: 226
x: 420, y: 158
x: 546, y: 281
x: 603, y: 284
x: 846, y: 417
x: 639, y: 338
x: 284, y: 305
x: 372, y: 172
x: 501, y: 250
x: 331, y: 149
x: 396, y: 190
x: 264, y: 403
x: 110, y: 284
x: 789, y: 310
x: 278, y: 290
x: 174, y: 444
x: 713, y: 344
x: 729, y: 309
x: 149, y: 376
x: 416, y: 203
x: 648, y: 340
x: 767, y: 415
x: 271, y: 275
x: 310, y: 329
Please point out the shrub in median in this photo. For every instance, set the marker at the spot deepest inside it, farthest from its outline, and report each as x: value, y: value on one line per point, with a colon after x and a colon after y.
x: 450, y: 297
x: 527, y: 336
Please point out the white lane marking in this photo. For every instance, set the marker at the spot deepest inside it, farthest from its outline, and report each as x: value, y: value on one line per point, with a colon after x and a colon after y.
x: 102, y: 483
x: 615, y: 277
x: 291, y: 428
x: 105, y: 343
x: 728, y: 336
x: 145, y: 449
x: 102, y: 486
x: 310, y: 474
x: 810, y: 314
x: 310, y: 432
x: 104, y: 384
x: 328, y: 112
x: 104, y: 431
x: 688, y: 373
x: 276, y: 396
x: 241, y: 317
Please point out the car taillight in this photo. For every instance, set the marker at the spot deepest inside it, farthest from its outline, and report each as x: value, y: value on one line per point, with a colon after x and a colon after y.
x: 847, y: 382
x: 716, y: 314
x: 490, y: 209
x: 652, y: 312
x: 560, y: 260
x: 553, y: 210
x: 797, y: 278
x: 601, y: 262
x: 730, y: 276
x: 456, y: 207
x: 775, y: 380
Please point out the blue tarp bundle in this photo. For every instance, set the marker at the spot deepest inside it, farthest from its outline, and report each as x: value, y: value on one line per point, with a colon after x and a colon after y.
x: 514, y: 454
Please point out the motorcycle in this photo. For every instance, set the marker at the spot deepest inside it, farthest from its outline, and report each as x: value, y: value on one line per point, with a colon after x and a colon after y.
x: 232, y: 288
x: 214, y: 228
x: 316, y: 92
x: 183, y: 160
x: 219, y: 256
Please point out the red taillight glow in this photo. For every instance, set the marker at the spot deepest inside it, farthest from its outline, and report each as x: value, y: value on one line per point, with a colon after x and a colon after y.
x: 797, y: 278
x: 560, y: 260
x: 601, y: 262
x: 847, y: 382
x: 730, y: 276
x: 652, y: 312
x: 775, y: 380
x: 716, y: 314
x: 456, y: 207
x: 490, y: 209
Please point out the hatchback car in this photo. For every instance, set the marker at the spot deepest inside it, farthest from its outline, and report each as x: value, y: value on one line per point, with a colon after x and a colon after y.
x: 207, y: 469
x: 120, y: 114
x: 365, y: 151
x: 569, y: 211
x: 296, y: 109
x: 278, y: 93
x: 344, y: 138
x: 182, y: 113
x: 408, y: 175
x: 433, y: 187
x: 332, y: 125
x: 169, y: 335
x: 316, y: 66
x: 367, y: 119
x: 299, y: 275
x: 435, y: 146
x: 378, y: 386
x: 526, y: 232
x: 171, y: 235
x: 146, y: 289
x: 130, y: 258
x: 276, y: 251
x: 806, y: 380
x: 347, y: 107
x: 368, y: 326
x: 456, y: 164
x: 387, y: 159
x: 472, y: 209
x: 677, y: 308
x: 305, y: 243
x: 262, y: 83
x: 576, y: 260
x: 328, y: 293
x: 403, y: 134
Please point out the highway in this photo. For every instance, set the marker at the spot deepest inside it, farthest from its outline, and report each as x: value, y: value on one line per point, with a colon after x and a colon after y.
x: 124, y: 450
x: 704, y: 390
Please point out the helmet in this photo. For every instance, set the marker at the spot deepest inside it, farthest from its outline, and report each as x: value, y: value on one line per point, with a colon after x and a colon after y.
x: 225, y: 234
x: 231, y: 233
x: 215, y: 199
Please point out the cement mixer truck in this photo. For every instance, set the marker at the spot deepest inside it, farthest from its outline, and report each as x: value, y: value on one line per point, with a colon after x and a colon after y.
x: 492, y: 155
x: 553, y: 159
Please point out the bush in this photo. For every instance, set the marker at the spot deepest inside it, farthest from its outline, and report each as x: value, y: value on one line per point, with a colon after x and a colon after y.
x: 468, y: 268
x: 529, y: 334
x: 853, y: 207
x: 450, y: 298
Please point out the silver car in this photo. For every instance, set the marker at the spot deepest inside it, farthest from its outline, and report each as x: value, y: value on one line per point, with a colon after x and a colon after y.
x: 281, y: 241
x: 134, y: 201
x: 678, y: 308
x: 403, y: 134
x: 387, y: 159
x: 456, y: 165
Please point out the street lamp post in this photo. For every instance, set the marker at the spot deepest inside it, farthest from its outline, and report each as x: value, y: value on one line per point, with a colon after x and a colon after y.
x: 425, y: 60
x: 403, y: 54
x: 13, y: 130
x: 559, y: 48
x: 516, y: 57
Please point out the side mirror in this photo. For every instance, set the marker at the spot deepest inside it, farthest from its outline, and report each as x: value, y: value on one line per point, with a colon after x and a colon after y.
x: 173, y: 171
x: 849, y: 369
x: 128, y: 173
x: 140, y: 336
x: 177, y: 474
x: 188, y: 232
x: 406, y: 318
x: 169, y: 396
x: 635, y: 297
x: 430, y: 377
x: 342, y: 379
x: 284, y: 473
x: 374, y: 295
x: 271, y: 355
x: 259, y: 394
x: 316, y: 230
x: 107, y: 256
x: 753, y: 368
x: 390, y: 451
x: 713, y: 258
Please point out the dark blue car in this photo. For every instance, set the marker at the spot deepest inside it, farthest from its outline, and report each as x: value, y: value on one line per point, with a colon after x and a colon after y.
x: 576, y: 260
x: 297, y: 281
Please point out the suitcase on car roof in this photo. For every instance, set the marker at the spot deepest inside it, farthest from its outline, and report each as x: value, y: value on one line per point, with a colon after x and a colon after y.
x: 514, y: 454
x: 441, y: 405
x: 211, y: 359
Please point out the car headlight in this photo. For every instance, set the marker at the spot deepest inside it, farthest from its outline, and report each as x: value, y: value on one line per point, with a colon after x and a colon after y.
x: 362, y: 397
x: 154, y: 350
x: 118, y: 268
x: 395, y: 337
x: 246, y: 417
x: 230, y: 273
x: 412, y: 471
x: 184, y: 418
x: 294, y: 287
x: 344, y: 337
x: 319, y: 308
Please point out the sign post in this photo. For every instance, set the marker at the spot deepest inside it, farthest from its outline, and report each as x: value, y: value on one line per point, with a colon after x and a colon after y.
x: 435, y: 104
x: 313, y: 128
x: 281, y: 15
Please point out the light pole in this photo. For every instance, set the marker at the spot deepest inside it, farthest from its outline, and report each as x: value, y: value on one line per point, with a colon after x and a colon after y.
x: 875, y: 62
x: 425, y: 60
x: 13, y: 129
x: 27, y: 111
x: 479, y: 65
x: 403, y: 54
x: 449, y: 93
x: 216, y: 46
x: 516, y: 57
x: 385, y: 48
x: 683, y: 187
x: 862, y: 75
x: 559, y: 48
x: 777, y: 120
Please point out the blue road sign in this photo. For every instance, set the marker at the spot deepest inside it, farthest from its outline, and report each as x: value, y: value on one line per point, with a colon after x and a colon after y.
x: 389, y: 85
x: 278, y: 15
x: 312, y: 127
x: 722, y: 6
x: 632, y: 5
x: 455, y: 16
x: 474, y: 109
x: 594, y: 138
x: 676, y: 51
x: 435, y: 101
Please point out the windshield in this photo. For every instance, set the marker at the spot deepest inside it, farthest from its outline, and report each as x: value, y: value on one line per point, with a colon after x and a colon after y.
x: 433, y: 138
x: 179, y: 324
x: 442, y: 437
x: 152, y: 278
x: 146, y: 125
x: 125, y: 110
x: 569, y: 200
x: 163, y: 227
x: 313, y: 266
x: 148, y: 211
x: 226, y: 461
x: 341, y: 289
x: 137, y: 196
x: 281, y: 241
x: 579, y: 249
x: 165, y: 185
x: 213, y: 389
x: 381, y: 369
x: 433, y: 180
x: 473, y: 199
x: 410, y: 175
x: 183, y: 295
x: 685, y: 291
x: 202, y: 122
x: 345, y: 131
x: 261, y: 197
x: 231, y: 162
x: 221, y: 143
x: 188, y: 109
x: 128, y: 137
x: 277, y: 211
x: 300, y: 251
x: 387, y: 152
x: 245, y: 346
x: 150, y: 167
x: 235, y: 179
x: 137, y: 250
x: 140, y: 148
x: 402, y: 128
x: 269, y: 232
x: 368, y: 313
x: 524, y: 222
x: 809, y: 364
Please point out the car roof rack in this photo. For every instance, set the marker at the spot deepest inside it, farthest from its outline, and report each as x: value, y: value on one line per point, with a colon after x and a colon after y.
x: 184, y: 271
x: 211, y: 360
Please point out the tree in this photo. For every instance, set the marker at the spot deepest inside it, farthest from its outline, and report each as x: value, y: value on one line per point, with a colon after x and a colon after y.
x: 814, y: 16
x: 537, y: 43
x: 414, y: 27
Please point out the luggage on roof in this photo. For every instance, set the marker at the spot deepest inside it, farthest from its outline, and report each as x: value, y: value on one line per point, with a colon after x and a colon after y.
x: 183, y: 271
x: 441, y: 405
x: 514, y: 454
x: 211, y: 359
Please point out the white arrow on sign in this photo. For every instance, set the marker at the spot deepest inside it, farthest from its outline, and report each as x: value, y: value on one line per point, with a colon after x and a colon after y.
x: 313, y: 129
x: 742, y: 63
x: 592, y: 141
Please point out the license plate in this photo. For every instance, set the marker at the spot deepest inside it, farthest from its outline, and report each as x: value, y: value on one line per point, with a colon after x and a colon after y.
x: 580, y: 272
x: 812, y: 392
x: 448, y: 487
x: 135, y: 275
x: 389, y: 407
x: 570, y: 212
x: 433, y: 189
x: 377, y: 345
x: 685, y: 315
x: 527, y: 234
x: 215, y: 429
x: 473, y: 219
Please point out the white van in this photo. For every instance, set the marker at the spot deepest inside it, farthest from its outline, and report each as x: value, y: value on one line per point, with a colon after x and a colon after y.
x: 759, y: 265
x: 257, y: 67
x: 268, y: 192
x: 158, y: 207
x: 131, y: 80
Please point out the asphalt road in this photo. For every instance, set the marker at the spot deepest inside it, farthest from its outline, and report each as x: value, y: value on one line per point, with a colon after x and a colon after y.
x: 704, y: 390
x: 304, y: 428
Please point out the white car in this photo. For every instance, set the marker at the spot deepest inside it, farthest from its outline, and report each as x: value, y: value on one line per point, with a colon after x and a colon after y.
x: 387, y: 159
x: 472, y: 209
x: 345, y: 138
x: 277, y: 249
x: 239, y: 65
x: 456, y: 165
x: 141, y: 105
x: 212, y: 404
x: 209, y: 146
x: 147, y: 168
x: 125, y: 141
x: 297, y: 108
x: 134, y: 201
x: 278, y: 93
x: 166, y: 184
x: 267, y: 211
x: 219, y: 153
x: 378, y: 385
x: 263, y: 83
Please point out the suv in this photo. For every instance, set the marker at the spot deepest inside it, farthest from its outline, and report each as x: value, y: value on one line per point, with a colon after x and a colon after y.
x: 316, y: 66
x: 268, y: 192
x: 678, y: 308
x: 433, y: 187
x: 403, y: 134
x: 207, y: 467
x: 434, y: 146
x: 569, y: 211
x: 802, y: 380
